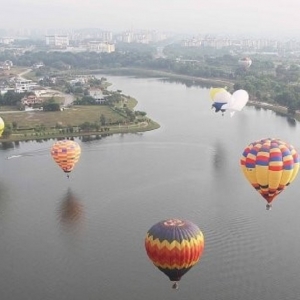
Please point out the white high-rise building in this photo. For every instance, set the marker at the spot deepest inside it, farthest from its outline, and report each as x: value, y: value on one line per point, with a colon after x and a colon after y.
x: 24, y: 85
x: 60, y: 41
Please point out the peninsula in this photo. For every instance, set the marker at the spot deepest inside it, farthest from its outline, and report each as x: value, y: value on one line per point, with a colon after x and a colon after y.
x: 88, y: 108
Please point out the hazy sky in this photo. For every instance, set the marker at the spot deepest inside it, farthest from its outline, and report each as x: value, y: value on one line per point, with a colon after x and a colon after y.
x: 262, y: 17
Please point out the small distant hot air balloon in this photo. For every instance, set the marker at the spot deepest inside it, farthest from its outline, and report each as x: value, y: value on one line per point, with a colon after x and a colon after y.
x: 2, y: 126
x: 270, y: 165
x: 245, y: 62
x: 66, y: 154
x: 174, y: 246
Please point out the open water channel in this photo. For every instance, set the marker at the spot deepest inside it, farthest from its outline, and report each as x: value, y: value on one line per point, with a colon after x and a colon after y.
x: 83, y: 237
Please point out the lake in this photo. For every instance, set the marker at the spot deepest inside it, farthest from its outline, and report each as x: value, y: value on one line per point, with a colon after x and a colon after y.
x: 83, y: 237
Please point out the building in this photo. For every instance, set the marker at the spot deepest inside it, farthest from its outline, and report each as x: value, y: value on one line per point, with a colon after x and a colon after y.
x: 38, y: 65
x: 31, y: 100
x: 106, y: 36
x: 24, y: 85
x: 59, y: 41
x: 97, y: 95
x: 99, y: 46
x: 6, y: 40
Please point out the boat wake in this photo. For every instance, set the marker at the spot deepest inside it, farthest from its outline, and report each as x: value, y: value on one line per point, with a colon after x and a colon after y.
x: 13, y: 156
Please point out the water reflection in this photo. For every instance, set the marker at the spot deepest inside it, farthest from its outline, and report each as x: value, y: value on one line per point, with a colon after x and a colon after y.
x: 291, y: 121
x: 89, y: 138
x: 7, y: 145
x: 189, y: 82
x: 70, y: 212
x: 4, y: 199
x: 219, y: 158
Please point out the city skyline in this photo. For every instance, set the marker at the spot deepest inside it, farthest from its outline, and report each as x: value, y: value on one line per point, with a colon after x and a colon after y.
x: 254, y: 18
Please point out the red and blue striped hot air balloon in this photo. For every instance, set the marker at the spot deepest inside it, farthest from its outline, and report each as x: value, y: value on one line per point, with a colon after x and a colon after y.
x: 270, y: 165
x: 174, y: 246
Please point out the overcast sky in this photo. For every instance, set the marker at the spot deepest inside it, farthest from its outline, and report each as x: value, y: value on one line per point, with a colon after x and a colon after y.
x: 263, y: 17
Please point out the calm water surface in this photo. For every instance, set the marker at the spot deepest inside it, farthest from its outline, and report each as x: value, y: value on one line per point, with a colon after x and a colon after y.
x: 83, y: 238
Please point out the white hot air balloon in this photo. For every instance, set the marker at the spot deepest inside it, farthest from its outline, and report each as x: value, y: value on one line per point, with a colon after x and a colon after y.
x: 237, y: 102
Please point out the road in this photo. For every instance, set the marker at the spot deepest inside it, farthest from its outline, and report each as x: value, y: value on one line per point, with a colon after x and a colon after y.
x: 23, y: 73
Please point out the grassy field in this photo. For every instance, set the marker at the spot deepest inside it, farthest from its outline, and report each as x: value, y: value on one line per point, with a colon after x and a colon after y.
x: 74, y: 116
x: 34, y: 125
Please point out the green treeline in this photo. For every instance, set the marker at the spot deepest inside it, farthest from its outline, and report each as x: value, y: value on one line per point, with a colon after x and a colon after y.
x: 269, y: 79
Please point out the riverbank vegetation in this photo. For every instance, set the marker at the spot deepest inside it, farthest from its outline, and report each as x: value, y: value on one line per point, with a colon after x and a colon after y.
x: 77, y: 120
x: 272, y: 81
x: 271, y: 78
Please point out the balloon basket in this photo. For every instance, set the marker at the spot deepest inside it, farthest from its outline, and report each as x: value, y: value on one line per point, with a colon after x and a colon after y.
x: 268, y: 206
x: 175, y: 285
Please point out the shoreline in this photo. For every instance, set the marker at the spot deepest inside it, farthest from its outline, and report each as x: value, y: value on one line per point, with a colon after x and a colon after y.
x: 281, y: 110
x: 133, y: 128
x: 151, y: 73
x: 151, y: 125
x: 158, y: 74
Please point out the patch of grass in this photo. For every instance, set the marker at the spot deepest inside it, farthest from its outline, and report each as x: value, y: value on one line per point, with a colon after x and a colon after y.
x: 73, y: 116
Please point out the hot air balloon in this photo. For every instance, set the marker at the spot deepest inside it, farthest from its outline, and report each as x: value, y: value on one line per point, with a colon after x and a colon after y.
x: 174, y: 246
x: 270, y: 165
x: 214, y: 91
x: 66, y: 154
x: 219, y: 96
x: 245, y: 62
x: 1, y: 126
x: 236, y: 102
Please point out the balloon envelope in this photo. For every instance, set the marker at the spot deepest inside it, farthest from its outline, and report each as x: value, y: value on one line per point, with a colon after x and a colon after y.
x: 66, y: 154
x: 174, y: 246
x: 2, y: 126
x: 222, y: 96
x: 219, y: 96
x: 237, y: 101
x: 270, y: 165
x: 245, y: 62
x: 214, y: 91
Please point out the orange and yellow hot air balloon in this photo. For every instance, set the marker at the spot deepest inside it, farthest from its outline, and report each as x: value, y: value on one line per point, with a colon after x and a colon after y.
x: 174, y: 246
x: 270, y: 165
x: 66, y: 154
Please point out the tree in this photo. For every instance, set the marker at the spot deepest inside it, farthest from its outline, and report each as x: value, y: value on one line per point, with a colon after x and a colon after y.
x: 51, y: 105
x: 7, y: 131
x: 102, y: 120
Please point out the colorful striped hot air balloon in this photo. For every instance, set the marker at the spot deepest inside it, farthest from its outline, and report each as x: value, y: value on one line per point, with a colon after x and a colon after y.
x: 270, y: 165
x: 174, y: 246
x: 1, y: 126
x: 66, y: 154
